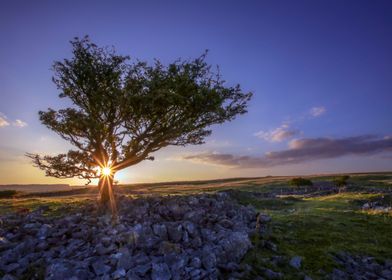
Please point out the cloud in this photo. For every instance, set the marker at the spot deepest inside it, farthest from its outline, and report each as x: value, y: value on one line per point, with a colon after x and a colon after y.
x: 317, y: 111
x: 302, y: 150
x: 278, y: 134
x: 19, y: 123
x: 4, y: 121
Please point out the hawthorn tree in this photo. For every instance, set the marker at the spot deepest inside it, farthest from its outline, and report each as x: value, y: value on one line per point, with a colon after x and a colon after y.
x: 123, y: 111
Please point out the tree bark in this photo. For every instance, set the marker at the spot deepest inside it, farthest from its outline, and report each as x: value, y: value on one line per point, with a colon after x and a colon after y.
x: 106, y: 193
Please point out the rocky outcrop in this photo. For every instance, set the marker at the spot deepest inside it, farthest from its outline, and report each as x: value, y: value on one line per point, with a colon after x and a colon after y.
x: 178, y: 237
x: 360, y: 267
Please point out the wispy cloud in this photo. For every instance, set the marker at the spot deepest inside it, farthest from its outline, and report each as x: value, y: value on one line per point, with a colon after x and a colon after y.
x: 301, y: 150
x: 19, y: 123
x: 278, y: 134
x: 5, y: 122
x: 285, y: 131
x: 317, y: 111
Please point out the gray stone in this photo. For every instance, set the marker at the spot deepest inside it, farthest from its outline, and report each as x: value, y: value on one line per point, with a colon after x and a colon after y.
x: 270, y: 274
x: 194, y: 273
x: 176, y: 261
x: 102, y: 250
x: 190, y: 228
x: 124, y: 260
x: 295, y: 262
x: 142, y: 269
x: 8, y: 277
x: 208, y: 235
x: 159, y: 237
x: 160, y: 271
x: 141, y: 258
x: 208, y: 259
x: 226, y: 223
x: 222, y: 196
x: 175, y: 232
x: 160, y: 230
x: 44, y: 231
x: 236, y: 244
x: 386, y: 273
x: 195, y: 262
x: 263, y: 218
x: 196, y: 242
x: 83, y: 274
x: 59, y: 270
x: 11, y: 267
x: 42, y: 245
x: 388, y: 264
x: 100, y: 268
x: 338, y: 274
x: 10, y: 256
x: 131, y: 275
x: 195, y: 216
x: 231, y: 266
x: 119, y: 273
x: 106, y: 241
x: 31, y: 226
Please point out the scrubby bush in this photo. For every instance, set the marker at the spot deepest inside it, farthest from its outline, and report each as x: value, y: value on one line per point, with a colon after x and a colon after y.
x: 299, y: 181
x: 7, y: 194
x: 341, y: 182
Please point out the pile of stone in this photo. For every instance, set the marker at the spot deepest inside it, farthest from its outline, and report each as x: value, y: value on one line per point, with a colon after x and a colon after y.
x: 376, y: 206
x: 177, y: 237
x: 361, y: 267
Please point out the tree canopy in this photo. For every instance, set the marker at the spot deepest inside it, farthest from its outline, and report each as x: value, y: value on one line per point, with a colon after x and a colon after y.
x: 299, y: 181
x: 341, y: 181
x: 123, y: 110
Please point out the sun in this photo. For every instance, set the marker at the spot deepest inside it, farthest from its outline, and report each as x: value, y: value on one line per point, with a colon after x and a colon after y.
x: 106, y: 171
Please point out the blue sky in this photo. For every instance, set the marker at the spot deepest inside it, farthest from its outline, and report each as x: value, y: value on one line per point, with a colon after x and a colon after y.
x: 318, y: 70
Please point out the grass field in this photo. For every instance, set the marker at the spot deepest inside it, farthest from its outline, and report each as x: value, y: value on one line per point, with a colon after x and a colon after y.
x: 314, y: 227
x: 320, y: 227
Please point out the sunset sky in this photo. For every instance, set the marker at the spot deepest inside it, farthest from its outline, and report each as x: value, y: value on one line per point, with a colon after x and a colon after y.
x: 320, y: 71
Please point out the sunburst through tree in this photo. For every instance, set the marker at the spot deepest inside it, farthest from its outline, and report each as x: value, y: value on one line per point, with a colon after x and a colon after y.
x: 123, y: 111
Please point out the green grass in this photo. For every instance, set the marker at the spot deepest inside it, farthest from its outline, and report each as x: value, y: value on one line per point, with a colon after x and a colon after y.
x: 57, y: 207
x: 321, y: 227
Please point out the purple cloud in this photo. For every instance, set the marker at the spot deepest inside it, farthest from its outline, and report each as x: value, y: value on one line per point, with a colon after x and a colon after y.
x: 302, y: 150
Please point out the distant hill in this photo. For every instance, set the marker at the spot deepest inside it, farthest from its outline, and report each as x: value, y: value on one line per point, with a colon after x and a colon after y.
x: 38, y: 187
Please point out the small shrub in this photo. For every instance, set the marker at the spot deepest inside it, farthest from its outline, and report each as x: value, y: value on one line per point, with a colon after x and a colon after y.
x: 8, y: 193
x: 341, y: 181
x: 299, y: 181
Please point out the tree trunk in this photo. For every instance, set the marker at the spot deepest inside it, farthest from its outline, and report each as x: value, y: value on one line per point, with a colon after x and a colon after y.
x: 106, y: 194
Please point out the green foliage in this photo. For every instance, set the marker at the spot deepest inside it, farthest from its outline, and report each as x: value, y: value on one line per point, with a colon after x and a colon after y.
x: 8, y: 194
x: 299, y: 181
x: 125, y: 111
x: 341, y: 181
